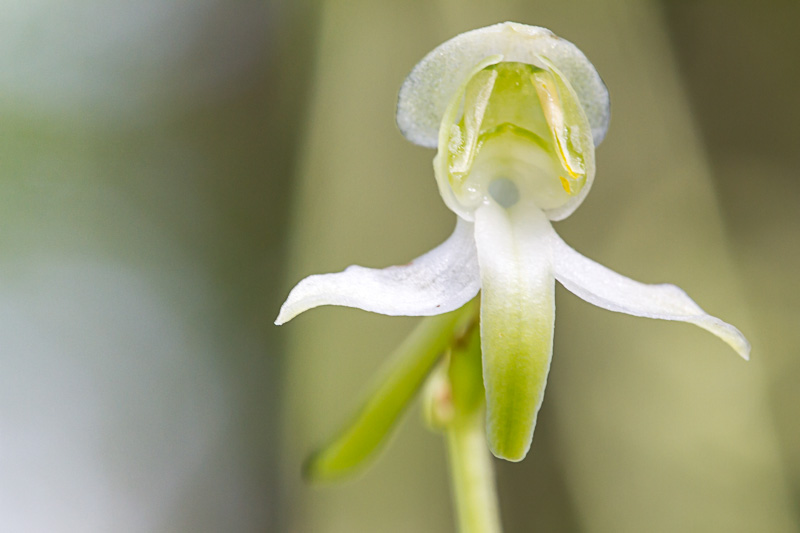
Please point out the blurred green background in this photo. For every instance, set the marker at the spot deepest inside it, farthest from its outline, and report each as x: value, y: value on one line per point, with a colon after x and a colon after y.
x: 170, y: 169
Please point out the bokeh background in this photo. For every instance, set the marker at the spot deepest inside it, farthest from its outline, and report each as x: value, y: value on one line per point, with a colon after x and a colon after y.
x: 168, y: 170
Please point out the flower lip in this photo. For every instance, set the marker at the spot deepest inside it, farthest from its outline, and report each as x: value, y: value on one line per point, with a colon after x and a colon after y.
x: 428, y: 89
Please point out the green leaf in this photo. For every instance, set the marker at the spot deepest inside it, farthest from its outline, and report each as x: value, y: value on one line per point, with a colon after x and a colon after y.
x: 388, y: 398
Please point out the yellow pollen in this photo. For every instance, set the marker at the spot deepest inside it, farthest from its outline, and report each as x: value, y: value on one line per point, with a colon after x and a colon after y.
x: 565, y: 184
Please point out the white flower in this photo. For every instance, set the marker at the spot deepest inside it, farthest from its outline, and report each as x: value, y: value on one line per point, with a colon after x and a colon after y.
x: 516, y: 113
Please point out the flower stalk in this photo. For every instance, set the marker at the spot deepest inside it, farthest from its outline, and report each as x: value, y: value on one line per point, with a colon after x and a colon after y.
x: 456, y: 406
x: 472, y: 477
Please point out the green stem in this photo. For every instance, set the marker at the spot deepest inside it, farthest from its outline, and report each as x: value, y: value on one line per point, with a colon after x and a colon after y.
x: 472, y: 476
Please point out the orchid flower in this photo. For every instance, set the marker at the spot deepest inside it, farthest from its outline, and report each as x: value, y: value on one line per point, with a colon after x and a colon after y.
x: 515, y: 113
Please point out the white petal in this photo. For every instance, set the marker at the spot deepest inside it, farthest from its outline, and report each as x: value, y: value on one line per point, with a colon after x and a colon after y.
x: 605, y: 288
x: 517, y: 318
x: 439, y: 281
x: 432, y: 83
